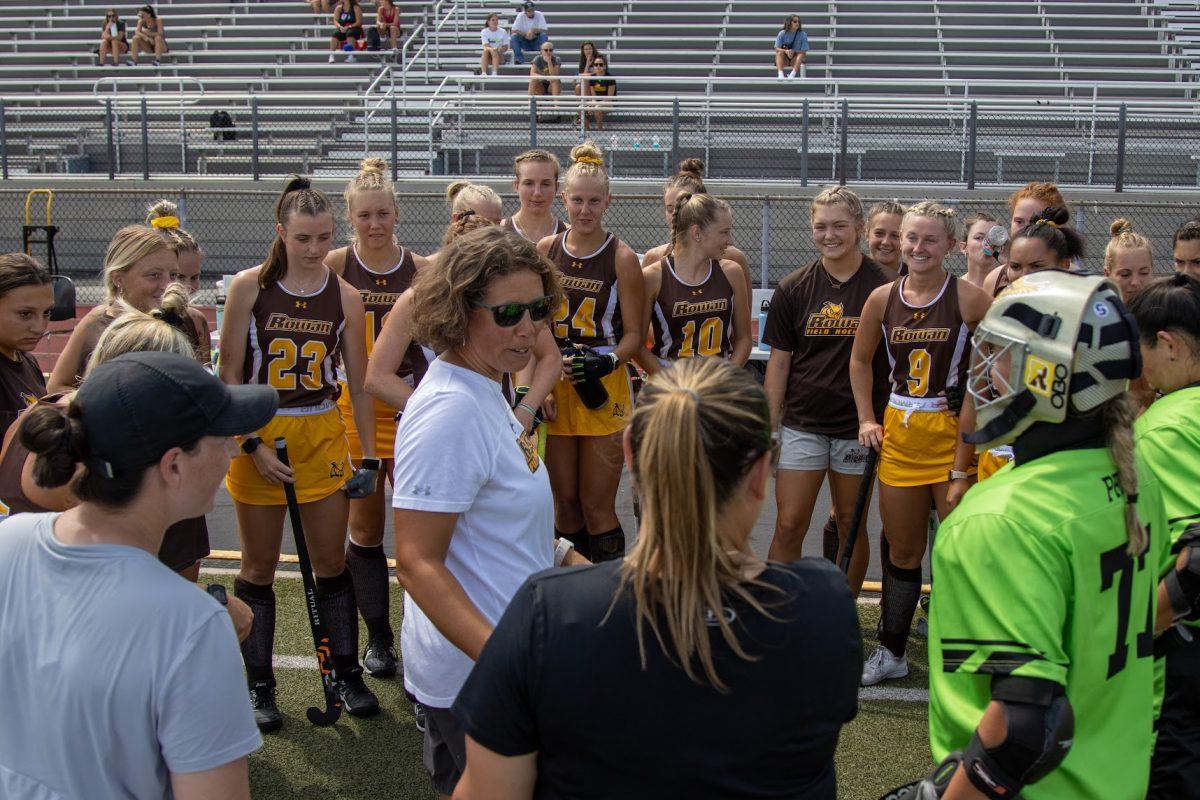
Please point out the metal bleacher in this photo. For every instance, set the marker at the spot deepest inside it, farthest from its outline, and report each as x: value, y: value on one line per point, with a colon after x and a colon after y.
x: 266, y: 63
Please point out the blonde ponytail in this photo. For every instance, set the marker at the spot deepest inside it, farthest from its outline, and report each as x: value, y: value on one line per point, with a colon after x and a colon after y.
x: 1119, y: 414
x: 699, y: 427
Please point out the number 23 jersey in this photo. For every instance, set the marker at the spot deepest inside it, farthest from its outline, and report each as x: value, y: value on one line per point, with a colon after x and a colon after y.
x: 1033, y: 580
x: 590, y: 314
x: 292, y: 342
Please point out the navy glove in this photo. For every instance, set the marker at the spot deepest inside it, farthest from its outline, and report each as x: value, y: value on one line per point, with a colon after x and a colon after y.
x: 362, y: 483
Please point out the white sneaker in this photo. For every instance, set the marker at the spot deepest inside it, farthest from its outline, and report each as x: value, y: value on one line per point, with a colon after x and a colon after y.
x: 350, y: 59
x: 779, y: 75
x: 882, y: 666
x: 792, y: 74
x: 331, y: 58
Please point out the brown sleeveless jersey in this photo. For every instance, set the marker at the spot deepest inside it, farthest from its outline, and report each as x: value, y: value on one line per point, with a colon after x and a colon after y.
x: 927, y: 346
x: 21, y: 384
x: 511, y: 224
x: 379, y: 292
x: 293, y: 341
x: 1002, y: 281
x: 590, y: 314
x: 814, y: 318
x: 692, y: 320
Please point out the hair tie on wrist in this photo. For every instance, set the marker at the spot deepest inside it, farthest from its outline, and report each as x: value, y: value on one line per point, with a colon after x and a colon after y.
x: 164, y: 222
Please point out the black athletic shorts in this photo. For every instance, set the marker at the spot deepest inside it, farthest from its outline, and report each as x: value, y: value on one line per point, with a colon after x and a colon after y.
x: 185, y: 543
x: 1175, y: 769
x: 444, y: 752
x: 341, y: 36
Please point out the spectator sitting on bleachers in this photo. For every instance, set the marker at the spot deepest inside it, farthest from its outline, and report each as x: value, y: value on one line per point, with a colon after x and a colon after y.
x: 495, y: 45
x: 149, y: 36
x: 791, y: 47
x: 387, y: 24
x: 347, y: 28
x: 545, y: 64
x: 112, y: 38
x: 603, y: 88
x: 587, y: 54
x: 529, y: 32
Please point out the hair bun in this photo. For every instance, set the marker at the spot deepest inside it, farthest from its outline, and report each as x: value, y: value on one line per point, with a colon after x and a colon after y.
x: 692, y: 166
x: 1058, y: 215
x: 587, y: 153
x: 1120, y: 226
x: 296, y: 183
x: 373, y: 164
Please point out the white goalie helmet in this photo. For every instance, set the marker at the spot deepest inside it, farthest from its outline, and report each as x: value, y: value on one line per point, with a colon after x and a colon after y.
x: 1051, y: 339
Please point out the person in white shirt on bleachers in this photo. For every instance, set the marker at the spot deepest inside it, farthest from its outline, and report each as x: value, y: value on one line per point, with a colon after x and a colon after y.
x: 529, y: 32
x: 495, y: 45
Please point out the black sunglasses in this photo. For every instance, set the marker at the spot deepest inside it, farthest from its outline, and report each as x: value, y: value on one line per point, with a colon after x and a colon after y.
x: 507, y: 315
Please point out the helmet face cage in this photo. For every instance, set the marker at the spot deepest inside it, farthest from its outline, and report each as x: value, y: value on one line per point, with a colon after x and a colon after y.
x: 989, y: 381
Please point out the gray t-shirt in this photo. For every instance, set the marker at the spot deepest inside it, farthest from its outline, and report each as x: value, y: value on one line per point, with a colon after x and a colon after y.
x: 117, y: 671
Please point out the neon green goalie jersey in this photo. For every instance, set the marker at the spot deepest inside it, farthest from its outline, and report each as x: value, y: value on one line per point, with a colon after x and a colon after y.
x: 1033, y: 579
x: 1167, y: 438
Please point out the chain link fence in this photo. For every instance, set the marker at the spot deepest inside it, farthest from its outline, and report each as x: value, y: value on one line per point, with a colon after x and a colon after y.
x: 235, y: 228
x: 808, y: 140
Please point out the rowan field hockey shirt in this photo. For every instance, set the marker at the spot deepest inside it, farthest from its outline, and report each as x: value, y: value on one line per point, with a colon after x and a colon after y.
x: 460, y: 450
x: 561, y: 676
x: 692, y: 319
x: 927, y: 346
x: 590, y: 313
x: 118, y: 671
x: 379, y: 292
x: 1033, y: 580
x: 814, y: 318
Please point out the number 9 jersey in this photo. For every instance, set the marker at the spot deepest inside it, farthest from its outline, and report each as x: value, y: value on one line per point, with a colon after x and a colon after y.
x: 292, y: 342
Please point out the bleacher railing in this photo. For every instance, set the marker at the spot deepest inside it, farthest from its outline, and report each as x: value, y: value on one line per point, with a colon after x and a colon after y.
x: 474, y: 126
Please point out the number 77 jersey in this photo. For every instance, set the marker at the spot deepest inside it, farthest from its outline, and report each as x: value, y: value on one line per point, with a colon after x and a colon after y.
x: 292, y: 341
x: 1034, y: 579
x: 590, y: 314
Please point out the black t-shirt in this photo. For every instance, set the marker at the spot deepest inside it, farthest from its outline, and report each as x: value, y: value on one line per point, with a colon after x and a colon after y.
x: 21, y: 384
x: 559, y: 678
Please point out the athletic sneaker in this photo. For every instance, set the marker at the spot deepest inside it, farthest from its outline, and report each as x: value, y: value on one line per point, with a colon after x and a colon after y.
x: 358, y: 700
x: 419, y: 716
x: 882, y: 666
x: 266, y: 713
x: 380, y: 658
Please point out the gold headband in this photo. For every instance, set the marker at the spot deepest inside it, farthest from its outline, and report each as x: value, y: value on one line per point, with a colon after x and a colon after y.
x: 164, y: 222
x: 599, y: 162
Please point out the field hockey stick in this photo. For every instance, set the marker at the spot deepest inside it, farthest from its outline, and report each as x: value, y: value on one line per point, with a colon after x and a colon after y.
x: 333, y: 703
x: 860, y: 508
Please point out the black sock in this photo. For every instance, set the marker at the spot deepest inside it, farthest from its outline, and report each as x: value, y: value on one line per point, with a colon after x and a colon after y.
x: 369, y: 567
x: 335, y: 599
x: 256, y: 650
x: 829, y: 539
x: 579, y: 538
x: 901, y: 590
x: 607, y: 546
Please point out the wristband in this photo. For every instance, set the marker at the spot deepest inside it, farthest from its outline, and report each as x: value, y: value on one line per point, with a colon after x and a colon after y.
x: 561, y: 549
x: 371, y: 463
x: 251, y: 444
x: 217, y: 592
x: 527, y: 407
x: 958, y: 475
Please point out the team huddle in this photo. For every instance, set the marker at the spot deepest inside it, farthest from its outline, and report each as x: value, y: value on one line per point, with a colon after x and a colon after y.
x: 1043, y: 420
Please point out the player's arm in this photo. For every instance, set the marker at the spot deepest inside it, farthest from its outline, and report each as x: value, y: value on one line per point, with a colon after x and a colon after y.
x: 420, y: 262
x: 990, y: 281
x: 239, y: 305
x: 631, y: 288
x: 59, y: 498
x: 541, y: 377
x: 862, y: 372
x: 204, y: 334
x: 652, y: 281
x: 780, y: 334
x: 543, y: 245
x: 393, y: 342
x: 738, y: 257
x: 354, y: 356
x: 227, y: 782
x: 653, y: 254
x: 69, y: 367
x: 779, y: 369
x: 1179, y: 591
x: 495, y: 777
x: 741, y: 340
x: 973, y: 305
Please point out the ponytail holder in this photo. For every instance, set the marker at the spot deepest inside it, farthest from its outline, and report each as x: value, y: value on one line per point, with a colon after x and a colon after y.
x: 1049, y: 222
x: 461, y: 215
x: 105, y: 468
x: 599, y: 162
x: 693, y: 394
x: 164, y: 222
x: 1131, y: 498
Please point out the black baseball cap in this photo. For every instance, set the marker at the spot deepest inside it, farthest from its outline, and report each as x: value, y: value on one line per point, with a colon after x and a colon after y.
x: 528, y: 4
x: 139, y: 405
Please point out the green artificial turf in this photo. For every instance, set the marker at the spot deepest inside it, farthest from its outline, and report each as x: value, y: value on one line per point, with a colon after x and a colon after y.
x: 886, y: 745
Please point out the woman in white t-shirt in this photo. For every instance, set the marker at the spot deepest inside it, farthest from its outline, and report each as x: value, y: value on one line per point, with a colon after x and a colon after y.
x: 473, y: 510
x: 495, y: 45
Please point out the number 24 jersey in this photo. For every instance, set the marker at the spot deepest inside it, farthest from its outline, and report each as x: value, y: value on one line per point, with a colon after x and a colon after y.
x: 590, y: 313
x: 1033, y: 579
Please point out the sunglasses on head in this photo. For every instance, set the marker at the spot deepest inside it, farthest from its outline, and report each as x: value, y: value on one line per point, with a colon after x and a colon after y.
x: 507, y: 315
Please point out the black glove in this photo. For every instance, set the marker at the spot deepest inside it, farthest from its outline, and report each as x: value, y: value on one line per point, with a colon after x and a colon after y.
x: 954, y: 398
x: 362, y: 483
x: 588, y: 365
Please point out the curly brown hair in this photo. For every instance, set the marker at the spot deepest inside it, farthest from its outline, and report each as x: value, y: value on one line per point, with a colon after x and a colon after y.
x: 444, y: 293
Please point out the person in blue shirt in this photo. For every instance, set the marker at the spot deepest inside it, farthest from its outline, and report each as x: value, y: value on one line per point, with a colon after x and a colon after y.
x: 791, y: 47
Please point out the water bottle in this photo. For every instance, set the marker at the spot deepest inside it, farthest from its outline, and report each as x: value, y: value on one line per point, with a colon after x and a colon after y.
x: 215, y: 344
x: 655, y: 142
x: 613, y: 141
x: 637, y: 143
x: 763, y: 308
